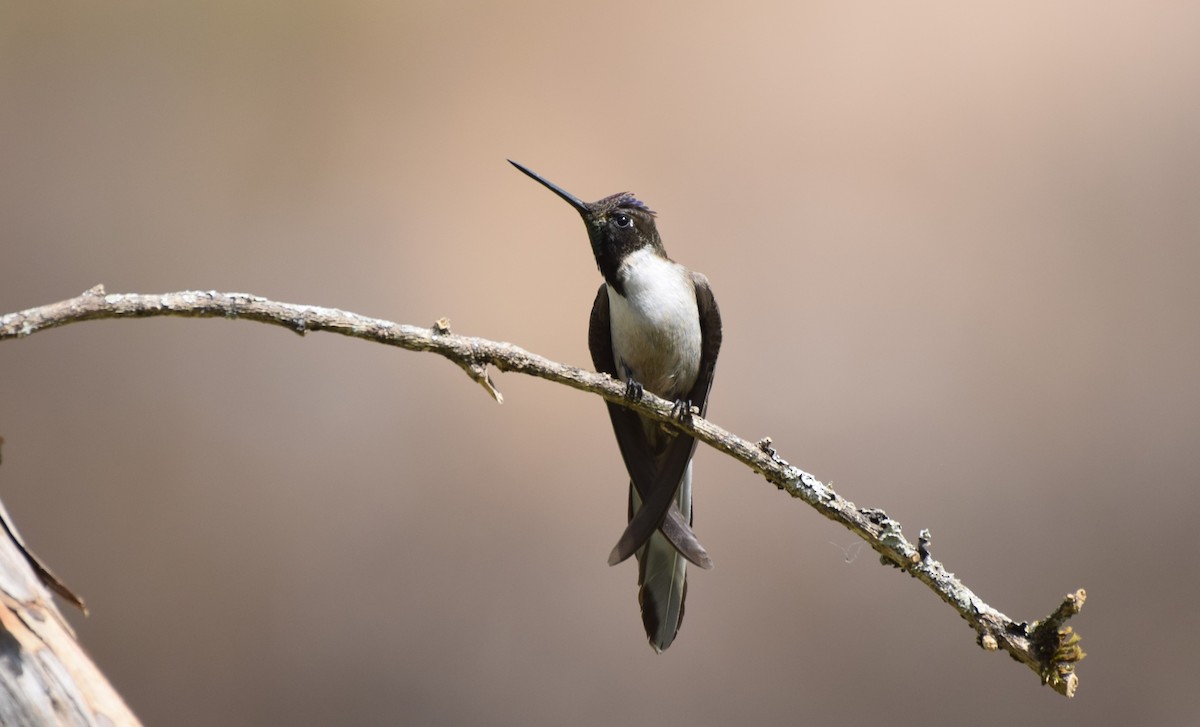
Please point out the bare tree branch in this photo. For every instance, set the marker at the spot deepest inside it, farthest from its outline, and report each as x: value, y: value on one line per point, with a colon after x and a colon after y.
x: 47, y: 677
x: 1048, y: 647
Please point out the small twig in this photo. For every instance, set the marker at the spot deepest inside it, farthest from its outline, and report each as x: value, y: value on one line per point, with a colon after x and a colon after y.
x: 1050, y: 649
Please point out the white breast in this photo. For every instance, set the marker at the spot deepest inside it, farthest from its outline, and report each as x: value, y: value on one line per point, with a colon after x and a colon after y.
x: 656, y: 325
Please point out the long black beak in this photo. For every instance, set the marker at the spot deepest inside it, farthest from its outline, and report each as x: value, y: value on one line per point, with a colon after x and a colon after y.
x: 580, y: 206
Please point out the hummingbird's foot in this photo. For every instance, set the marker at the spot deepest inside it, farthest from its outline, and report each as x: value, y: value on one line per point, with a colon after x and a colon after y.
x: 634, y: 390
x: 682, y: 411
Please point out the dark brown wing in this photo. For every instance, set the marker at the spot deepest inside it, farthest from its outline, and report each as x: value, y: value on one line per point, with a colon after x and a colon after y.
x: 635, y: 450
x: 710, y: 341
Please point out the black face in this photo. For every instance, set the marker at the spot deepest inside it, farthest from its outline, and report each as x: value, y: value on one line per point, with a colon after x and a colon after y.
x: 617, y: 226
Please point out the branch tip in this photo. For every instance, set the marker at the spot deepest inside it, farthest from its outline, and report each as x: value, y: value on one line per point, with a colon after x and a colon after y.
x: 479, y: 374
x: 1057, y: 646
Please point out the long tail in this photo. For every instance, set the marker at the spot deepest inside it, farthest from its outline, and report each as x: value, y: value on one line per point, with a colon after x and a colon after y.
x: 662, y: 575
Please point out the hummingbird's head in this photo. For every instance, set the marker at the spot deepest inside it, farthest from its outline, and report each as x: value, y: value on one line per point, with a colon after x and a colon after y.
x: 617, y: 225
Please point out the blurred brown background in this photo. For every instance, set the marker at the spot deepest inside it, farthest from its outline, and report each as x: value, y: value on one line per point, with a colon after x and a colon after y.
x: 955, y: 248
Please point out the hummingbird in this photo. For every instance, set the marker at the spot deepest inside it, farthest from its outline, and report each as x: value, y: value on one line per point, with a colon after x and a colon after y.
x: 655, y: 326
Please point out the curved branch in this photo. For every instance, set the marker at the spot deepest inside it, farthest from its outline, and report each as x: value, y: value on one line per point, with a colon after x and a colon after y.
x: 1048, y: 647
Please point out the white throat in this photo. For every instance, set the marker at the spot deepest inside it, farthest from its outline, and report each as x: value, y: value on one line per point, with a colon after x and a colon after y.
x: 656, y: 324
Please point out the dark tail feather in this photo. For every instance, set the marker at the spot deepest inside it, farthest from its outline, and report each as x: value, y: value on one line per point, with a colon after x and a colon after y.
x: 663, y: 581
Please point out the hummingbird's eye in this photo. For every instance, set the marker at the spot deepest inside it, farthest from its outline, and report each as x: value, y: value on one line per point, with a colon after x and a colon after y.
x: 623, y: 220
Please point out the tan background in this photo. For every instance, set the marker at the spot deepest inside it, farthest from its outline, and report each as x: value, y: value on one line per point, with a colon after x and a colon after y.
x: 955, y: 246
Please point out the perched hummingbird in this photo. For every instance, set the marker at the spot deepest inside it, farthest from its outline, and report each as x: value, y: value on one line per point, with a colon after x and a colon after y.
x: 655, y: 326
